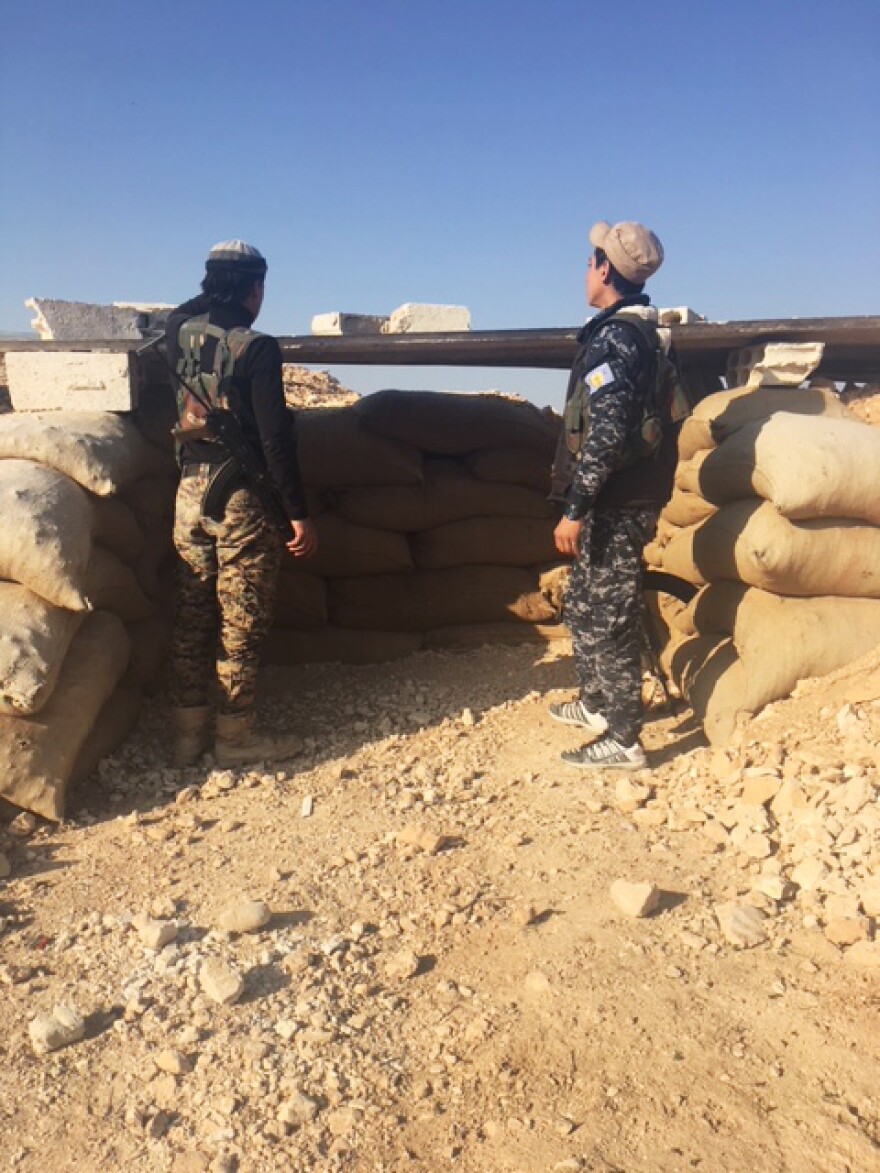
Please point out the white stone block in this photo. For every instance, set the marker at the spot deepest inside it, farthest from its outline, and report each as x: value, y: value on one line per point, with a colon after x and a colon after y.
x: 414, y: 318
x: 339, y: 323
x: 680, y: 315
x: 66, y: 380
x: 774, y: 364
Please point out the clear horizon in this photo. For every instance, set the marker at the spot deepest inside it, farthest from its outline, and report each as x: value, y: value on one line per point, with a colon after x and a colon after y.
x: 392, y: 152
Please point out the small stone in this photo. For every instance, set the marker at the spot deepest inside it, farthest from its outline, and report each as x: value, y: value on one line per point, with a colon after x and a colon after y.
x: 190, y: 1163
x: 630, y: 795
x: 537, y: 982
x: 757, y: 847
x: 525, y: 914
x: 341, y: 1121
x: 869, y: 898
x: 846, y: 931
x: 244, y: 916
x: 741, y: 924
x: 810, y: 874
x: 63, y: 1026
x: 173, y: 1062
x: 299, y: 1109
x: 220, y: 981
x: 23, y: 825
x: 865, y: 953
x: 635, y: 899
x: 307, y: 806
x: 760, y: 789
x: 773, y: 887
x: 159, y: 1124
x: 155, y: 934
x: 404, y: 964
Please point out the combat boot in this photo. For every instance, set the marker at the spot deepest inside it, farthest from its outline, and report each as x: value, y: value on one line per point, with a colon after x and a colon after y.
x: 238, y: 744
x: 192, y: 734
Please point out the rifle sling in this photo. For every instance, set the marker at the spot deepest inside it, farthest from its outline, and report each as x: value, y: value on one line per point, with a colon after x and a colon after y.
x: 223, y: 480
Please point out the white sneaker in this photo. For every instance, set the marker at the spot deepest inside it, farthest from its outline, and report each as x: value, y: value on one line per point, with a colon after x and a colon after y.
x: 577, y: 713
x: 607, y: 753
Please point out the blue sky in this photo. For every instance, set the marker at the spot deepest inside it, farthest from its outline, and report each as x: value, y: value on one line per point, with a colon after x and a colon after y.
x: 385, y: 151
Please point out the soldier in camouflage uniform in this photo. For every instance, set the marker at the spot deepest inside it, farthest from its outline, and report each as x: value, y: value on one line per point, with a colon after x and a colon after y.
x: 611, y: 502
x: 229, y: 561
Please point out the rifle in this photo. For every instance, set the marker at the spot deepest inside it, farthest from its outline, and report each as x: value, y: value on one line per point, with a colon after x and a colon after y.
x: 242, y: 464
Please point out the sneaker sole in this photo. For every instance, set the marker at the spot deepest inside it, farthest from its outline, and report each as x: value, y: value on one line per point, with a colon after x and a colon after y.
x: 604, y: 765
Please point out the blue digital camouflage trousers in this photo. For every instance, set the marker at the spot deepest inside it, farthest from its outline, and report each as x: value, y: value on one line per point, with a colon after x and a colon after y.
x: 602, y: 605
x: 227, y: 583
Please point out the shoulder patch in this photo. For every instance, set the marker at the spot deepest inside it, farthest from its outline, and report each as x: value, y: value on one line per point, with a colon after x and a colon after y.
x: 599, y: 377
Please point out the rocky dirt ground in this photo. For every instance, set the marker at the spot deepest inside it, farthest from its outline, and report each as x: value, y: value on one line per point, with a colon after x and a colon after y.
x: 419, y: 946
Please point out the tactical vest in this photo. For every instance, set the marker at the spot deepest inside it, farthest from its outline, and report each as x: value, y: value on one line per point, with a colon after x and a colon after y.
x: 663, y: 402
x: 200, y: 391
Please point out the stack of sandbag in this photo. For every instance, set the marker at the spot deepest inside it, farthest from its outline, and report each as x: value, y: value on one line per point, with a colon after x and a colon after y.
x: 75, y: 593
x: 776, y: 516
x: 433, y: 522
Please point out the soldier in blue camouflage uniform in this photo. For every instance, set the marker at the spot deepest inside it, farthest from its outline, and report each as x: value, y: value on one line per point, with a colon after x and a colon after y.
x: 611, y: 503
x: 229, y: 561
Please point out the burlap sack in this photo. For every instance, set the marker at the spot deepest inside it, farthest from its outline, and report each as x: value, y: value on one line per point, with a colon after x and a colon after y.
x: 152, y: 499
x: 751, y: 541
x: 117, y: 528
x: 99, y: 450
x: 38, y: 753
x: 428, y: 599
x: 478, y: 635
x: 720, y: 415
x: 808, y: 466
x: 776, y: 643
x: 512, y: 466
x: 339, y: 645
x: 476, y: 541
x: 301, y: 603
x: 335, y: 450
x: 452, y: 423
x: 113, y: 724
x: 686, y: 508
x: 150, y: 652
x: 346, y: 550
x: 113, y: 586
x: 46, y: 533
x: 449, y: 493
x: 34, y: 638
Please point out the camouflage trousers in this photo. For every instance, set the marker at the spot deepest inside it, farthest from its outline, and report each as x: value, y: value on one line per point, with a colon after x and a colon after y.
x: 227, y: 582
x: 602, y: 606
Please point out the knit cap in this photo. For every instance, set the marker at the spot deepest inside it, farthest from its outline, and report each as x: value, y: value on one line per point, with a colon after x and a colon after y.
x: 237, y: 257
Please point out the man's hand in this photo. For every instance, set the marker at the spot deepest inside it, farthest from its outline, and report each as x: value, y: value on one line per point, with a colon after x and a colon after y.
x: 567, y: 536
x: 304, y: 541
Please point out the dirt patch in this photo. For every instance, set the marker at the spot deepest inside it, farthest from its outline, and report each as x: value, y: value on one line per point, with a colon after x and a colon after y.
x: 445, y: 981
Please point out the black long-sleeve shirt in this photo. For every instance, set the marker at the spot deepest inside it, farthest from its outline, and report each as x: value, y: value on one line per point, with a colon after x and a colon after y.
x: 261, y: 406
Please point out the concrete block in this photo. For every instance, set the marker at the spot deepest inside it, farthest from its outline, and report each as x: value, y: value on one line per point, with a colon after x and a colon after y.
x: 81, y: 321
x: 414, y: 318
x: 66, y: 380
x: 774, y: 364
x: 680, y: 315
x: 339, y: 323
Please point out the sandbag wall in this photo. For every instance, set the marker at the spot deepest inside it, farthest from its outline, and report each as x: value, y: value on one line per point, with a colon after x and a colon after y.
x: 434, y: 527
x: 85, y: 593
x: 776, y: 516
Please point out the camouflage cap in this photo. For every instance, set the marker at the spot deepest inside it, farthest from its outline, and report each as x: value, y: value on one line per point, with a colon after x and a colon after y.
x: 238, y: 257
x: 633, y: 250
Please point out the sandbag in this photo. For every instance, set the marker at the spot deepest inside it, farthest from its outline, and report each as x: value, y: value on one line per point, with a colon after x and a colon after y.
x: 478, y: 635
x: 152, y: 499
x: 46, y: 535
x: 712, y: 678
x: 686, y: 507
x: 34, y: 638
x: 449, y: 493
x: 452, y: 423
x: 346, y: 550
x: 808, y: 466
x: 475, y: 541
x: 726, y: 412
x: 116, y: 527
x: 339, y: 645
x: 427, y: 599
x: 751, y: 541
x: 112, y: 586
x: 334, y: 449
x: 512, y: 466
x: 150, y: 651
x: 99, y: 450
x: 38, y: 753
x: 301, y: 601
x: 114, y: 723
